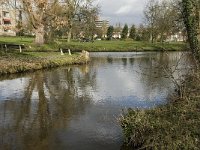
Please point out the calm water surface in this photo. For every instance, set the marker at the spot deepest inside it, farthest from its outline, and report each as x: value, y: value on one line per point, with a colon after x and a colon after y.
x: 76, y: 108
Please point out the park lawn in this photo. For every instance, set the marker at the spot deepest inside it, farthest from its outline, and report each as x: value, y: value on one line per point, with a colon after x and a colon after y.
x: 17, y: 40
x: 120, y: 45
x: 29, y: 61
x: 96, y: 46
x: 28, y: 42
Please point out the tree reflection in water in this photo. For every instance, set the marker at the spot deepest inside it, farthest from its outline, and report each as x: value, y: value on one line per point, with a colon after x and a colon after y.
x: 48, y: 102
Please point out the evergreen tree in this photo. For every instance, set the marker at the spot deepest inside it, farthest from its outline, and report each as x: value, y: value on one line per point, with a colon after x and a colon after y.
x: 110, y: 32
x: 133, y: 32
x: 124, y: 33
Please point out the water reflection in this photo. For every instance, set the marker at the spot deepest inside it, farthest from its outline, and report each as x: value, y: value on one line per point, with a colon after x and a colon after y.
x: 76, y: 107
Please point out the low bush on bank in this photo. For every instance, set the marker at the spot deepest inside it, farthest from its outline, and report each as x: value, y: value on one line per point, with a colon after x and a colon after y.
x: 172, y: 126
x: 29, y: 61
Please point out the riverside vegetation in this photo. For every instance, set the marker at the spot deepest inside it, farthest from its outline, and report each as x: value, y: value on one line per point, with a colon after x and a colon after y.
x: 171, y: 126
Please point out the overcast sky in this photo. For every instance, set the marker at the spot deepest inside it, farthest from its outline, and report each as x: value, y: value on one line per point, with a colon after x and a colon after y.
x: 123, y: 11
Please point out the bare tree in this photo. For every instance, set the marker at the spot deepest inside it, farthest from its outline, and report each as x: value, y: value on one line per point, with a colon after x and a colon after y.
x: 38, y: 12
x: 162, y: 18
x: 73, y: 11
x: 151, y: 13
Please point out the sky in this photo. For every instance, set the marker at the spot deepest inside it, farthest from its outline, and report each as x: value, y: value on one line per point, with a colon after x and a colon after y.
x: 123, y: 11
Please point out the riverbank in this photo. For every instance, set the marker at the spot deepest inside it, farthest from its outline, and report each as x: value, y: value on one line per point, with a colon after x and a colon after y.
x: 124, y: 46
x: 96, y: 46
x: 172, y: 126
x: 30, y: 61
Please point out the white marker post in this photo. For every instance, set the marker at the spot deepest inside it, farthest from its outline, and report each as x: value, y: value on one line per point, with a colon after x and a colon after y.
x: 61, y: 51
x: 6, y: 48
x: 69, y: 51
x: 20, y: 48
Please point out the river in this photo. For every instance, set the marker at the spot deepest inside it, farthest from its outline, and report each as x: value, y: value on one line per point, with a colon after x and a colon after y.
x: 77, y: 107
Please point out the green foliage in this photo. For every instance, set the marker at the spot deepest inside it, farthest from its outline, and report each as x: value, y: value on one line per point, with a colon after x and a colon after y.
x: 133, y: 33
x: 143, y: 33
x: 110, y: 32
x: 124, y: 33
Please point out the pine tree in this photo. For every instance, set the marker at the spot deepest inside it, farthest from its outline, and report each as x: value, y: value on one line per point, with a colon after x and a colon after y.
x: 133, y: 32
x: 110, y: 32
x: 124, y: 33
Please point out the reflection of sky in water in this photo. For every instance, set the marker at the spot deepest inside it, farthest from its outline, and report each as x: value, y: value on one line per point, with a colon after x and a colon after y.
x: 125, y: 85
x: 120, y: 83
x: 13, y: 89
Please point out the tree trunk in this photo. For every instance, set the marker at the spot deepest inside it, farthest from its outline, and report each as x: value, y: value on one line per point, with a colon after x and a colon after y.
x: 152, y: 35
x: 191, y: 20
x: 39, y: 35
x: 69, y: 35
x: 198, y: 16
x: 70, y: 31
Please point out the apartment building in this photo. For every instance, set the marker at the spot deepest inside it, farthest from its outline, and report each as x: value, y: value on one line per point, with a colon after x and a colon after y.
x: 103, y: 26
x: 7, y: 20
x: 102, y: 23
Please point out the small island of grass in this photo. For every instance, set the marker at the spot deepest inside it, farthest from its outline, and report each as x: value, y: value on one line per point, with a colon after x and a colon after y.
x: 30, y: 61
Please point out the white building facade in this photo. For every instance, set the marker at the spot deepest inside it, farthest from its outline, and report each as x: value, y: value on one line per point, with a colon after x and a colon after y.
x: 7, y: 20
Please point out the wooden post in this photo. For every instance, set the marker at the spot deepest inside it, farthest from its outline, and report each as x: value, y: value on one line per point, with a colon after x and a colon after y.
x: 61, y: 51
x: 69, y: 51
x: 2, y: 47
x: 6, y: 48
x: 20, y: 48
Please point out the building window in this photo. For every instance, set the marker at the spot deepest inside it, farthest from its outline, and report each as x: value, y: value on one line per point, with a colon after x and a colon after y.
x: 6, y: 14
x: 6, y: 21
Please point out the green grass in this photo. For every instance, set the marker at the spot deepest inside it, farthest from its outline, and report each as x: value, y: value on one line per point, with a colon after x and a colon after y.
x: 96, y: 46
x: 128, y: 45
x: 172, y: 126
x: 29, y: 61
x: 29, y: 43
x: 18, y: 40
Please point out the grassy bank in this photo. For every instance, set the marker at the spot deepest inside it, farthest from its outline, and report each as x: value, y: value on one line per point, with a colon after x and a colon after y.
x: 124, y: 46
x: 29, y: 61
x: 29, y: 44
x: 173, y: 126
x: 96, y: 46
